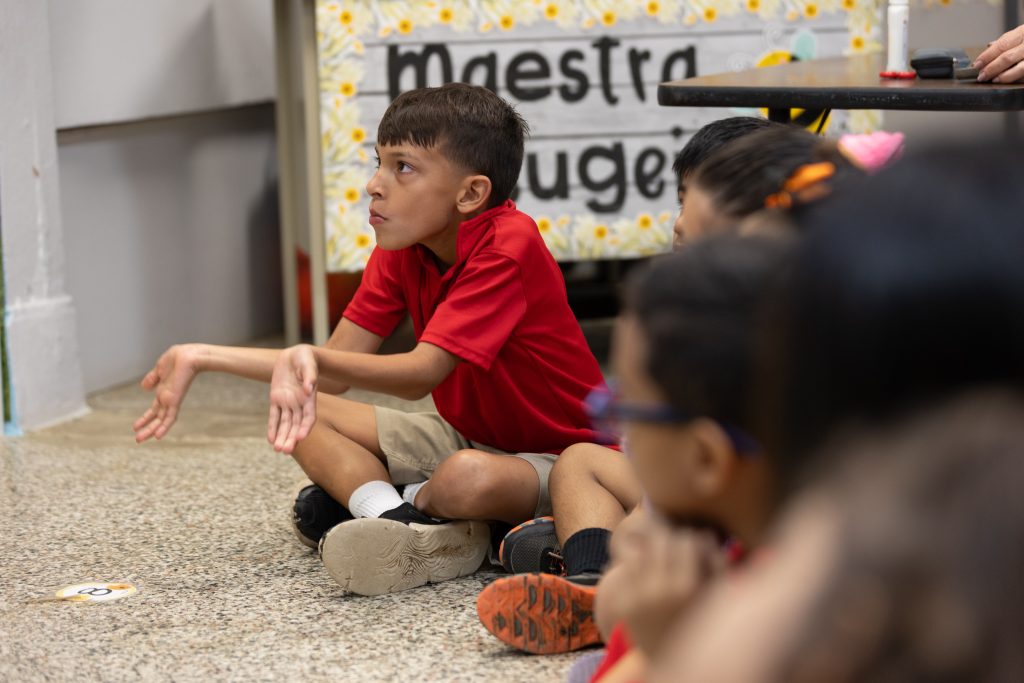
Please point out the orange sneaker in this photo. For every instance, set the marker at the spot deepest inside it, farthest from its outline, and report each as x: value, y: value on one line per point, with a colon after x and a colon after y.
x: 541, y: 613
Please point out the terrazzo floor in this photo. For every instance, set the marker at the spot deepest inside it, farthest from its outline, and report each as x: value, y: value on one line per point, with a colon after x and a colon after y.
x: 199, y: 522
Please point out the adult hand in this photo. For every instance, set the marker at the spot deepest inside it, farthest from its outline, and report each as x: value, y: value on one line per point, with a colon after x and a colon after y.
x: 292, y: 397
x: 169, y: 379
x: 668, y: 569
x: 1003, y: 60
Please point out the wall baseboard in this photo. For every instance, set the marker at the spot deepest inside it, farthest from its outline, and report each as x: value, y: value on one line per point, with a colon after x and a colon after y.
x: 46, y: 381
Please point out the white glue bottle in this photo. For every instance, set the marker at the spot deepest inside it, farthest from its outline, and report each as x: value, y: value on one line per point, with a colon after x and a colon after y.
x: 897, y: 27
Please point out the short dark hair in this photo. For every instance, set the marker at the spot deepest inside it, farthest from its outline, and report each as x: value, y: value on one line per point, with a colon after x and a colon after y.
x: 741, y: 175
x: 906, y: 289
x: 711, y: 137
x: 698, y: 309
x: 471, y: 126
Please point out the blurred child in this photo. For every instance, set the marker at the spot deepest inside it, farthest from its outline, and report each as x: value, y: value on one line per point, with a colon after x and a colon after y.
x: 705, y: 143
x: 781, y: 167
x: 686, y: 344
x: 904, y: 564
x: 681, y: 355
x: 776, y: 172
x: 906, y: 293
x: 592, y: 487
x: 745, y: 167
x: 907, y: 289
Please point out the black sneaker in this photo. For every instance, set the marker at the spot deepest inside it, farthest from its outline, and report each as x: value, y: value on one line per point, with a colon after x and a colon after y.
x: 532, y: 547
x: 407, y: 513
x: 314, y: 513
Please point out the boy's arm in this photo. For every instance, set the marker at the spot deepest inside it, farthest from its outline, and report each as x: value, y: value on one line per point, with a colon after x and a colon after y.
x: 410, y: 375
x: 173, y: 373
x: 258, y: 364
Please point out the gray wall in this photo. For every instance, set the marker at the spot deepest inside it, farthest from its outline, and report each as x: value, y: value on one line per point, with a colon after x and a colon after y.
x: 124, y: 60
x: 167, y: 170
x: 170, y: 230
x: 166, y: 154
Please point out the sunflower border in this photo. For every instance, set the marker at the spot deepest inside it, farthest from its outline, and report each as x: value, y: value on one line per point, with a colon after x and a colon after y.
x: 343, y: 25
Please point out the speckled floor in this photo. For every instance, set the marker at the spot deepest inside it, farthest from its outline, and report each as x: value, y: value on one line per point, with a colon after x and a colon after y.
x: 199, y: 522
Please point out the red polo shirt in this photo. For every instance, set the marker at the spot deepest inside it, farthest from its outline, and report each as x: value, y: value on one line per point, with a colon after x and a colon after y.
x: 501, y: 308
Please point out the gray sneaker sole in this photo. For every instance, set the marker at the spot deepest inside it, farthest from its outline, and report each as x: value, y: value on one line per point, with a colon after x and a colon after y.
x: 379, y: 556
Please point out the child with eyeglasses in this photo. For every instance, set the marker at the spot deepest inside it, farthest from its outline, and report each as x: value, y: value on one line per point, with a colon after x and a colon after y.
x: 683, y: 357
x: 593, y: 488
x: 904, y: 295
x: 687, y: 338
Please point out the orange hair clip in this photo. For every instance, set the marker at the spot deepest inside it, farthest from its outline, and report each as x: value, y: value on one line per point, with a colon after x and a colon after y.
x: 803, y: 178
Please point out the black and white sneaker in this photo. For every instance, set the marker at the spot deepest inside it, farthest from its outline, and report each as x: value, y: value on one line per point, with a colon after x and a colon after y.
x: 314, y: 513
x: 532, y: 547
x: 401, y: 549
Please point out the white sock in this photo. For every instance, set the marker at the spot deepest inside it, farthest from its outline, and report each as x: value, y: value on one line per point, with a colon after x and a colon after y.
x: 409, y: 494
x: 373, y: 498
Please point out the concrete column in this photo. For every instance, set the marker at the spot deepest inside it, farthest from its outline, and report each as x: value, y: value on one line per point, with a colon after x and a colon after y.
x: 45, y: 381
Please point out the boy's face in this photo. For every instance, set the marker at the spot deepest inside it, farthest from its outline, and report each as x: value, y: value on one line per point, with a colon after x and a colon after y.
x: 698, y: 216
x: 663, y: 455
x: 413, y: 197
x: 677, y: 226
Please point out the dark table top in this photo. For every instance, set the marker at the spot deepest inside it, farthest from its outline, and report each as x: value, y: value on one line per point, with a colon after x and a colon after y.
x: 838, y: 83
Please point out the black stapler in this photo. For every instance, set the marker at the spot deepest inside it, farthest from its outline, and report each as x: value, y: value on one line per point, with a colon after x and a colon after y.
x: 940, y: 62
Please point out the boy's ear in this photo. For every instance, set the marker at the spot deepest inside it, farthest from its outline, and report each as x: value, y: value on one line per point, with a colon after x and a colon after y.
x: 474, y: 194
x: 716, y: 458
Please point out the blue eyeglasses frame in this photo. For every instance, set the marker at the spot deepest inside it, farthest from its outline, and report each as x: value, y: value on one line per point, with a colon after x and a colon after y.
x: 604, y: 408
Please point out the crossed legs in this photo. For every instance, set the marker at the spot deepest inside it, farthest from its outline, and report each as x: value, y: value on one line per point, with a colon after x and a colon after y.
x: 343, y: 452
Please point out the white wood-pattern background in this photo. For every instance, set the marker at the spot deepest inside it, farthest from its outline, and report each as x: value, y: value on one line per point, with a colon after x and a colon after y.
x: 587, y: 223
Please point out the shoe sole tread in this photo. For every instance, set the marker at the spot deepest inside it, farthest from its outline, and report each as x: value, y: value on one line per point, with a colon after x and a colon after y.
x: 380, y: 556
x: 539, y: 613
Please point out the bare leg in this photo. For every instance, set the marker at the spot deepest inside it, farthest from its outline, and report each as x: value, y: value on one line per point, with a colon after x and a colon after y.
x: 473, y: 484
x: 591, y: 487
x: 342, y: 452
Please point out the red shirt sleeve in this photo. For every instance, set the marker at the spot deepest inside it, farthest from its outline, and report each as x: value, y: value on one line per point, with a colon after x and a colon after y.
x: 482, y: 309
x: 379, y: 303
x: 615, y: 649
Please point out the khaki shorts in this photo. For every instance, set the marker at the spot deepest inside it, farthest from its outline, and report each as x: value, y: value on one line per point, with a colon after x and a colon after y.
x: 416, y: 443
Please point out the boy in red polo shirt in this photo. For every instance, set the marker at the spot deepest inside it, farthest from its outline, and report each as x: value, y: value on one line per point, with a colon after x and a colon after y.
x: 497, y: 346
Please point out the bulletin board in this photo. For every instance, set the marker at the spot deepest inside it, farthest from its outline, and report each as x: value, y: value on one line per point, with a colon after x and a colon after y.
x: 597, y: 175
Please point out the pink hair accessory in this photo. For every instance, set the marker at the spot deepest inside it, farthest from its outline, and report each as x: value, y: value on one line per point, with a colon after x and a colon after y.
x: 872, y: 151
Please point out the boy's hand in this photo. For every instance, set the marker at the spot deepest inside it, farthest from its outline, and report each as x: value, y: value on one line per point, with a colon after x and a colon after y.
x: 170, y: 379
x: 292, y: 398
x: 667, y: 569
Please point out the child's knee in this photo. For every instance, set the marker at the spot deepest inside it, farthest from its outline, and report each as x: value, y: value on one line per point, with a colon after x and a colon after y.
x: 459, y: 483
x: 472, y: 483
x: 575, y: 462
x: 576, y: 455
